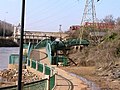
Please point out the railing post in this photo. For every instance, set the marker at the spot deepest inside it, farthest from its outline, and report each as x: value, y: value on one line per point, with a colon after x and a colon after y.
x: 36, y: 65
x: 27, y: 62
x: 51, y: 71
x: 44, y: 68
x: 55, y: 73
x: 48, y: 81
x: 30, y: 62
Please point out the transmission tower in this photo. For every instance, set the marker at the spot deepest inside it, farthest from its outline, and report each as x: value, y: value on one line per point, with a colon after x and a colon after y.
x: 89, y: 15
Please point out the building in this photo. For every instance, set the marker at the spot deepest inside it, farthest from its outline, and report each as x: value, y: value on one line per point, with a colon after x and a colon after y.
x: 100, y: 26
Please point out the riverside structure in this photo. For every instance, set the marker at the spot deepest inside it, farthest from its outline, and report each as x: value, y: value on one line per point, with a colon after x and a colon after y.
x: 53, y: 78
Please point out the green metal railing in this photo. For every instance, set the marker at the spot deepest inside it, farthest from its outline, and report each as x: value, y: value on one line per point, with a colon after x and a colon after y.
x: 9, y: 88
x: 14, y: 59
x: 55, y: 60
x: 73, y: 42
x: 52, y: 82
x: 30, y: 48
x: 33, y: 64
x: 42, y: 43
x: 62, y: 59
x: 25, y: 46
x: 28, y: 62
x: 48, y: 49
x: 37, y: 85
x: 40, y: 67
x: 47, y: 70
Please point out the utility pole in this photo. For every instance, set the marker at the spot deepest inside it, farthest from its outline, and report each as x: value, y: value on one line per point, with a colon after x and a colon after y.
x: 60, y: 31
x: 21, y: 47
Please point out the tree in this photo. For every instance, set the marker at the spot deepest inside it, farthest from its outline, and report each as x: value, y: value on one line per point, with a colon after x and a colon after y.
x: 1, y: 31
x: 118, y: 21
x: 109, y: 19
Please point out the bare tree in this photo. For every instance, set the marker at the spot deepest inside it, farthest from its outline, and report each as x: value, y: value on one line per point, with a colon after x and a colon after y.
x: 109, y: 19
x: 118, y: 21
x: 7, y: 27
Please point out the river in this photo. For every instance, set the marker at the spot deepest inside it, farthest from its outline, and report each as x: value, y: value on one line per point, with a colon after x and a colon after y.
x: 5, y: 52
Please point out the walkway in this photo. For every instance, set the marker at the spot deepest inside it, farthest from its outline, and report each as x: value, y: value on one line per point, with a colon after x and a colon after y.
x: 64, y: 81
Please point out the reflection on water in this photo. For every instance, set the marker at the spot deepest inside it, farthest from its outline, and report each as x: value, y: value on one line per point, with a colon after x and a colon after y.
x: 4, y: 55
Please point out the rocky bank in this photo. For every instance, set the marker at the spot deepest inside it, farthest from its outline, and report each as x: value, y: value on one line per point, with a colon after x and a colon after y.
x: 9, y: 77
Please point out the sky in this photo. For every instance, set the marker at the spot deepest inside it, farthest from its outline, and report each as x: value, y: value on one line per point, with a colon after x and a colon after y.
x: 48, y: 15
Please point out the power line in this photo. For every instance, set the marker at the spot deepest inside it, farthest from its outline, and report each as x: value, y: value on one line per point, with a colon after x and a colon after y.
x: 57, y: 19
x: 52, y: 15
x: 33, y: 10
x: 44, y: 10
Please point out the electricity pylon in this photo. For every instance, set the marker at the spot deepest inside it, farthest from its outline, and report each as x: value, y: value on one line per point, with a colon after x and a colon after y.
x: 89, y: 16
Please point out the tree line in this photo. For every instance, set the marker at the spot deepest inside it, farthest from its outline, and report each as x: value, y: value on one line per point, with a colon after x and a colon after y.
x: 6, y: 29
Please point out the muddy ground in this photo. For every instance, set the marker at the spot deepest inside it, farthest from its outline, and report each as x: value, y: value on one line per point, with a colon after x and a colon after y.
x: 104, y: 82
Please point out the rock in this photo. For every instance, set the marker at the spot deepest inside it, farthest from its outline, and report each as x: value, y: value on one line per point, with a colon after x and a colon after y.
x: 11, y: 75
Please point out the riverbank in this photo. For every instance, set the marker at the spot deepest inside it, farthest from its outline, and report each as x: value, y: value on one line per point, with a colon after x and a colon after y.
x: 7, y: 43
x: 9, y: 77
x: 105, y: 83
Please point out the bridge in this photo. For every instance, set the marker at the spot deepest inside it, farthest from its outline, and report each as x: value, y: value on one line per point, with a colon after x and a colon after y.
x: 36, y: 36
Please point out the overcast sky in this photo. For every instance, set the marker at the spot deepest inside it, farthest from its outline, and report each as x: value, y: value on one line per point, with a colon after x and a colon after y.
x: 47, y: 15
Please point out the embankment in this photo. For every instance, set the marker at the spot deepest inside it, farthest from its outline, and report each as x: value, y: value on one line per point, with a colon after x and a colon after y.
x: 7, y: 43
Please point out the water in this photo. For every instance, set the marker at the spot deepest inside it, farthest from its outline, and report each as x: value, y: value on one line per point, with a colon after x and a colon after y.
x: 5, y: 52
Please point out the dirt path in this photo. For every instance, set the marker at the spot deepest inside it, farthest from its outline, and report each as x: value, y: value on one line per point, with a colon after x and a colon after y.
x: 65, y: 81
x: 89, y: 73
x: 73, y: 83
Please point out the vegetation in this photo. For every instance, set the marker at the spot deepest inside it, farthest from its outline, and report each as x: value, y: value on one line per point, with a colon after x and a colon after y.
x: 105, y: 55
x: 6, y: 29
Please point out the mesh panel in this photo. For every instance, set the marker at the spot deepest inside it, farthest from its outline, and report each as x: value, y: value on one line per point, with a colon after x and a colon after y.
x: 33, y: 64
x: 39, y: 85
x: 47, y: 70
x: 40, y: 67
x: 36, y: 86
x: 52, y: 82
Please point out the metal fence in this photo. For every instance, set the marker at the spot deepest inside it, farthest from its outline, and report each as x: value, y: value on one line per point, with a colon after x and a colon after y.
x: 73, y: 42
x: 62, y: 59
x: 42, y: 43
x: 40, y: 67
x: 52, y: 82
x: 37, y: 85
x: 47, y: 70
x: 25, y: 46
x: 48, y: 49
x: 56, y: 59
x: 14, y: 59
x: 33, y: 64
